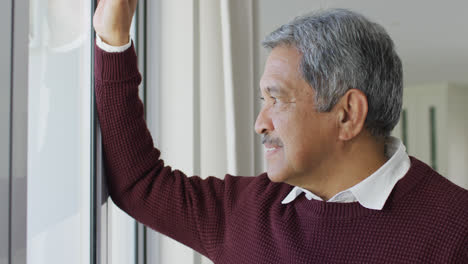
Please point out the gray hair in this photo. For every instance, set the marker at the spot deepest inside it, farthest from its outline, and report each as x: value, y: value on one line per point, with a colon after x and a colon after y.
x: 342, y: 50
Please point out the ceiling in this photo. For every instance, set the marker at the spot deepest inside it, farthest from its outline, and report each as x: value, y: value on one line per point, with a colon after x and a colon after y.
x: 431, y: 37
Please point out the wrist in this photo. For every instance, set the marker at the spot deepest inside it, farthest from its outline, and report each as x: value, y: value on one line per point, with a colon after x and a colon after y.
x: 108, y: 48
x: 116, y: 42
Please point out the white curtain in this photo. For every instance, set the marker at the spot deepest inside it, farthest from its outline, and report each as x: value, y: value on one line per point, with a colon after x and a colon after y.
x: 226, y: 87
x: 201, y: 99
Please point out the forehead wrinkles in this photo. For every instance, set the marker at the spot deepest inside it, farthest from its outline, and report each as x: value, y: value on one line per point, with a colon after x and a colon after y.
x: 281, y: 69
x: 284, y: 64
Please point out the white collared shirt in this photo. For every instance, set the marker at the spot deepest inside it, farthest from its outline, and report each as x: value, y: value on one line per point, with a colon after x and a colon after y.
x: 373, y: 191
x: 108, y: 48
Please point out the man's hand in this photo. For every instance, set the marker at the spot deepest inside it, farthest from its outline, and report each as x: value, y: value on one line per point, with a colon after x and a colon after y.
x: 112, y: 20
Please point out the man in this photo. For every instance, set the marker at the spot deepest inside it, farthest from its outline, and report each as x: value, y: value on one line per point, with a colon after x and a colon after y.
x: 337, y: 188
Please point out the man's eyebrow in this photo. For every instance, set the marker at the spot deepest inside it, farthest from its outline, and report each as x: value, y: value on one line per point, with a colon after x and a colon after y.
x: 273, y: 89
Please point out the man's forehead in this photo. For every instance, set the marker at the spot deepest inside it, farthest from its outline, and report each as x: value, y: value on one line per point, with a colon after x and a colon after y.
x: 281, y: 68
x: 273, y: 82
x: 283, y: 57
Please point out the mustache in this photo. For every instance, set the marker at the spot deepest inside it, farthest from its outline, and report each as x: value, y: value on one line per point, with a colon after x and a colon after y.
x: 271, y: 140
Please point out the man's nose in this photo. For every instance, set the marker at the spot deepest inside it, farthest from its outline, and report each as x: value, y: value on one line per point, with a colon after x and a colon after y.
x: 263, y: 124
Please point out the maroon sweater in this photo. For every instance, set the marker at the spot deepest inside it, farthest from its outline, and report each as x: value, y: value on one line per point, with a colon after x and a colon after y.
x: 241, y: 219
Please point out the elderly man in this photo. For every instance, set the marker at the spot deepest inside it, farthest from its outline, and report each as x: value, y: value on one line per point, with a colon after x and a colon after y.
x: 337, y: 188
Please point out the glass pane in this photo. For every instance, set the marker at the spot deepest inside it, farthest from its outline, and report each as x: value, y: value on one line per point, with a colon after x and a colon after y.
x: 59, y: 132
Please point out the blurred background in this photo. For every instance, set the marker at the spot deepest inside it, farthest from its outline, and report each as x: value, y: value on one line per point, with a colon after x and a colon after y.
x: 201, y: 62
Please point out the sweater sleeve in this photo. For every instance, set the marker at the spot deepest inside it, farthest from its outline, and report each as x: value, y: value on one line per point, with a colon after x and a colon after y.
x: 188, y: 209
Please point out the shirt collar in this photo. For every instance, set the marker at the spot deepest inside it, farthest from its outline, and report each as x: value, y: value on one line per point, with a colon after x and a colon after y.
x: 373, y: 191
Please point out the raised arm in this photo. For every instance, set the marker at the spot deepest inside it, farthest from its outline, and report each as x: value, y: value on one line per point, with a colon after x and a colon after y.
x: 188, y: 209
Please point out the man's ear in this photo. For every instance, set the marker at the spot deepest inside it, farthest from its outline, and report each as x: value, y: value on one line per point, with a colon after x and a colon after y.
x: 351, y: 114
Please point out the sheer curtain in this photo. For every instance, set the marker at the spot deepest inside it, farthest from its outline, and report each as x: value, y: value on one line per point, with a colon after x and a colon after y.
x: 226, y: 88
x: 201, y: 105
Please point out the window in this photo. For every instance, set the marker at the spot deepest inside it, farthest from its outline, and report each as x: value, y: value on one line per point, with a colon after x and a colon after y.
x: 69, y: 221
x: 59, y: 132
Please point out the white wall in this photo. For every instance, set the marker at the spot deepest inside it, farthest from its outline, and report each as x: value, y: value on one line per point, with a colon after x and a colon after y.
x: 457, y: 135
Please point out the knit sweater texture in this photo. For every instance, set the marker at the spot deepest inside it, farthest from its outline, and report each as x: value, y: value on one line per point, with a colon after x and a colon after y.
x: 241, y: 219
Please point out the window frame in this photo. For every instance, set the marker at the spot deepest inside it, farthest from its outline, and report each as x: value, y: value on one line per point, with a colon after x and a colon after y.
x: 5, y: 118
x: 18, y: 119
x: 15, y: 47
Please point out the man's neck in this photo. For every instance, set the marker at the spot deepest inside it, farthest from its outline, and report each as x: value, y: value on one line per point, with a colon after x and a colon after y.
x: 352, y: 163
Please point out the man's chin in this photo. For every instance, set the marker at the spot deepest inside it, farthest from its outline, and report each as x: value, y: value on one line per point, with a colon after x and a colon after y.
x: 275, y: 176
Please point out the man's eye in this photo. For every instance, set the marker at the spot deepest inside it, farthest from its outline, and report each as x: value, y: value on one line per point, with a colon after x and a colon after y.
x: 270, y: 98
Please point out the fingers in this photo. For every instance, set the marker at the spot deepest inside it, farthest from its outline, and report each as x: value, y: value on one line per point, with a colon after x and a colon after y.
x: 132, y: 4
